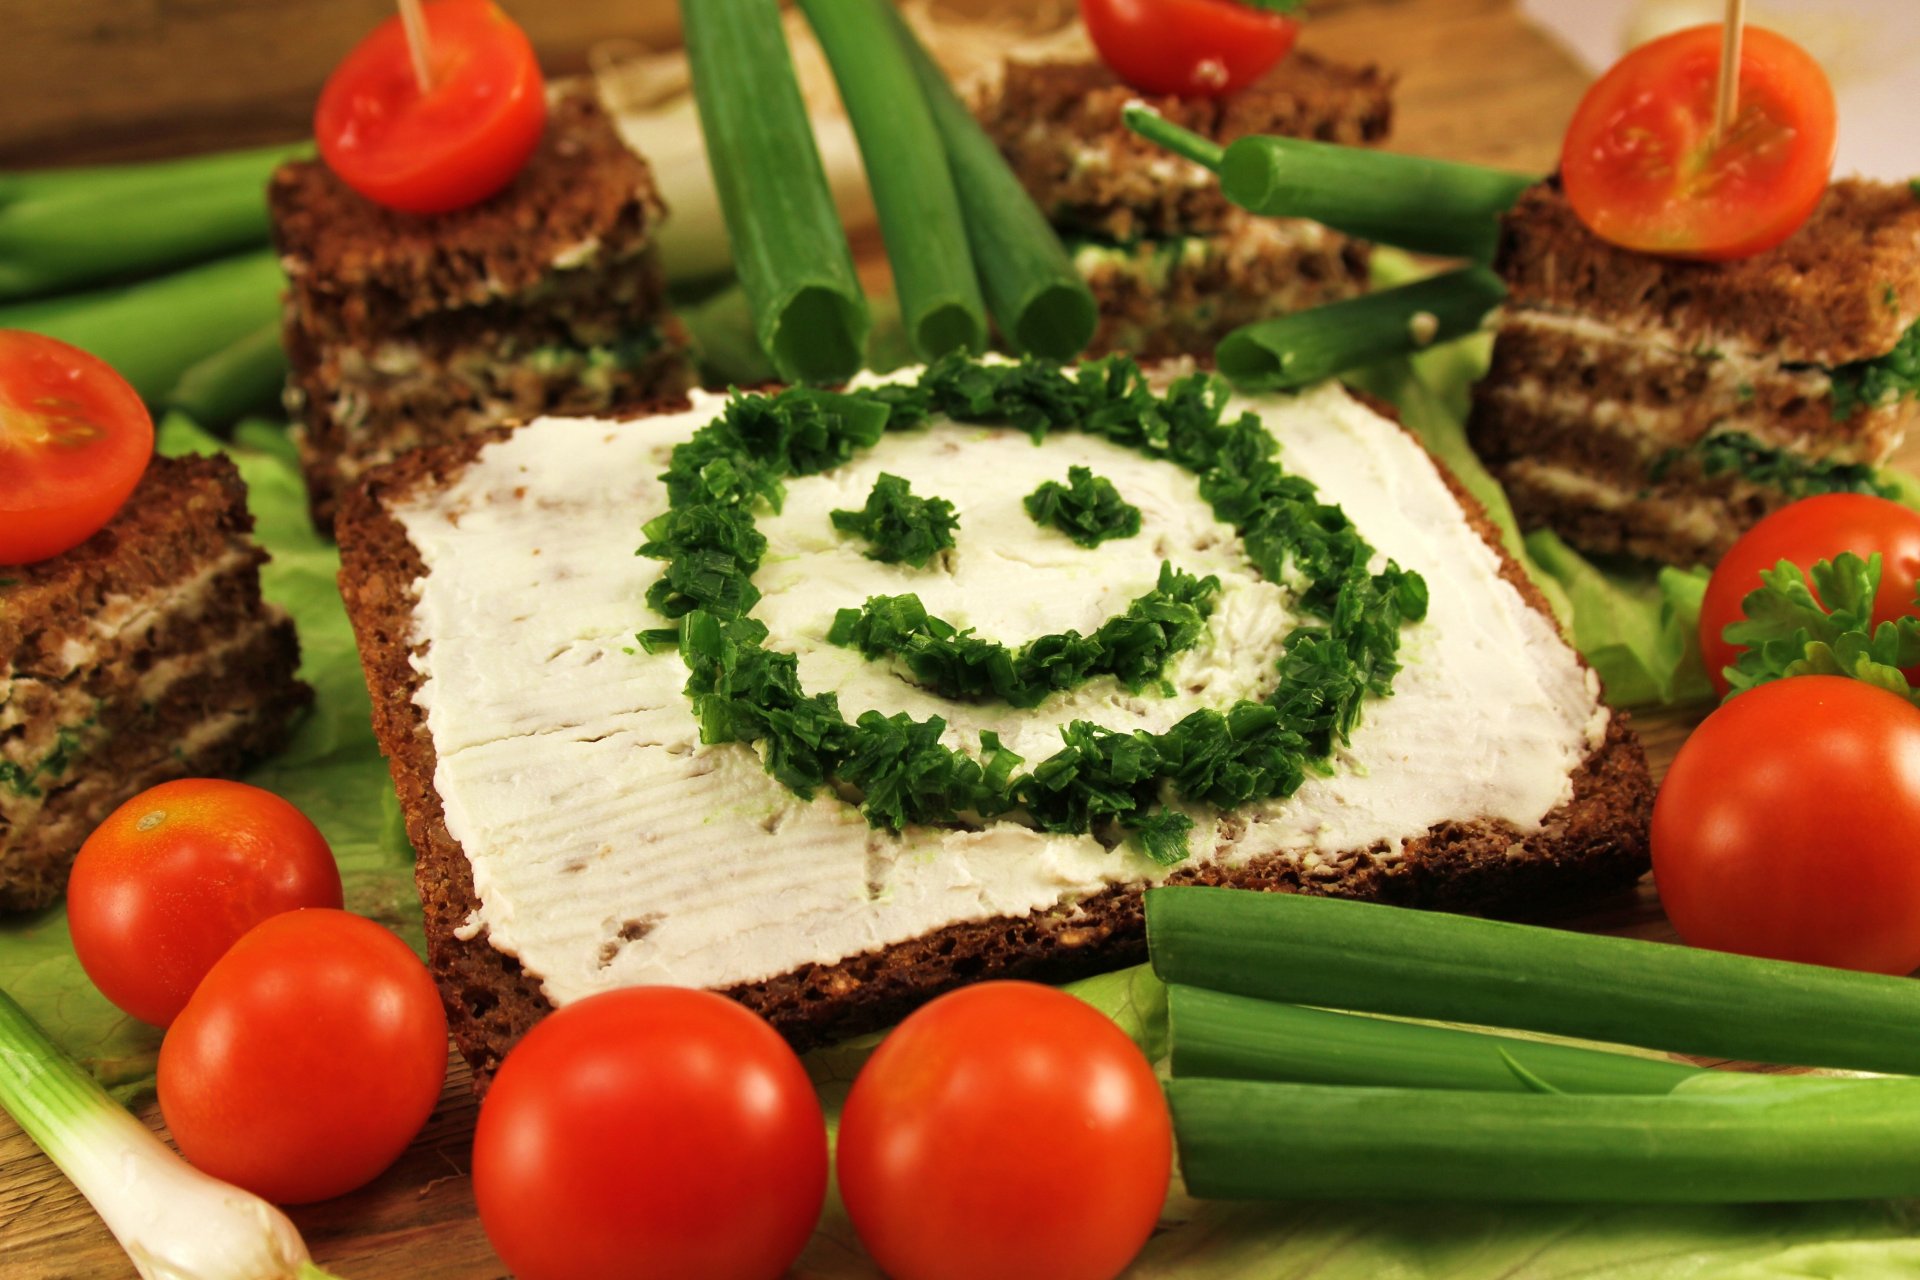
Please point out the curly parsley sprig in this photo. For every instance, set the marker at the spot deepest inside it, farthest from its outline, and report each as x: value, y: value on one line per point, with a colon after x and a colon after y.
x: 1793, y: 630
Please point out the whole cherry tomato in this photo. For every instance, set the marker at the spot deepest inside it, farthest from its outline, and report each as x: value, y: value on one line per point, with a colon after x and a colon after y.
x: 1642, y: 166
x: 308, y: 1058
x: 456, y: 143
x: 650, y: 1131
x: 1005, y: 1130
x: 1805, y: 532
x: 74, y: 441
x: 176, y: 875
x: 1195, y: 48
x: 1787, y: 827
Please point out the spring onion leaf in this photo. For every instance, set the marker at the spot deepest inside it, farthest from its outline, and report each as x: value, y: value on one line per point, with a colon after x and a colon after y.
x: 899, y: 525
x: 1087, y: 508
x: 789, y: 248
x: 1039, y: 302
x: 1793, y: 630
x: 243, y: 378
x: 913, y: 187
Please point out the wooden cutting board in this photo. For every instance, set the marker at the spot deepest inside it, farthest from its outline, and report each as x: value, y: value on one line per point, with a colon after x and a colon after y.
x: 1476, y: 83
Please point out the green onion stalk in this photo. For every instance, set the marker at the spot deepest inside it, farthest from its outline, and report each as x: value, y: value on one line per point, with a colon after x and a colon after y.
x: 1418, y: 964
x: 1439, y: 207
x: 175, y: 1222
x: 1726, y: 1140
x: 241, y: 379
x: 67, y: 229
x: 154, y: 331
x: 913, y: 189
x: 789, y: 248
x: 1305, y: 346
x: 1039, y: 302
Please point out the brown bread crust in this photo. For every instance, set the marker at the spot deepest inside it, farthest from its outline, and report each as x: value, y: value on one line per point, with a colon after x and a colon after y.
x: 1594, y: 843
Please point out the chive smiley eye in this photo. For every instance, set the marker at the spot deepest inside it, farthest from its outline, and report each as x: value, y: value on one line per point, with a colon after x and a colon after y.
x: 1087, y: 508
x: 900, y: 526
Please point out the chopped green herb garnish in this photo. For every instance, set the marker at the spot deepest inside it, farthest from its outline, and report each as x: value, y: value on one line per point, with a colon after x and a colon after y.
x: 68, y: 746
x: 1868, y: 384
x: 1891, y: 296
x: 1744, y: 391
x: 1162, y: 836
x: 1346, y: 651
x: 1793, y: 630
x: 899, y: 526
x: 1740, y: 454
x: 1275, y: 6
x: 1134, y: 646
x: 1087, y: 508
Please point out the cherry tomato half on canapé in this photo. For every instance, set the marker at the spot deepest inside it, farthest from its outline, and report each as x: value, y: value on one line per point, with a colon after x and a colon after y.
x: 74, y: 441
x: 176, y: 875
x: 1786, y: 827
x: 1641, y: 166
x: 650, y: 1131
x: 1006, y: 1130
x: 1806, y: 532
x: 455, y: 144
x: 1194, y: 48
x: 309, y: 1057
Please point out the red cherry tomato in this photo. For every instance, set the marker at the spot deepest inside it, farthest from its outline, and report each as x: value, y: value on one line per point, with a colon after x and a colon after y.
x: 454, y: 145
x: 1194, y: 48
x: 1789, y: 827
x: 74, y: 441
x: 1805, y: 532
x: 308, y: 1059
x: 652, y: 1131
x: 1641, y: 167
x: 176, y: 875
x: 1005, y: 1130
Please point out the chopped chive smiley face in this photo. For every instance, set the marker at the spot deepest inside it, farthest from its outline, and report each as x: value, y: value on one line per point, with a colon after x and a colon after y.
x: 1319, y: 639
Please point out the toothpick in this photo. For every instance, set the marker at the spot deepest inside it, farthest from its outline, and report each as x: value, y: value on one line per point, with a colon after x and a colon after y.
x: 415, y: 24
x: 1727, y: 105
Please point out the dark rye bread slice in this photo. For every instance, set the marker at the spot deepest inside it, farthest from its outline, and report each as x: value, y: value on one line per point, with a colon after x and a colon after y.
x: 1842, y: 288
x: 358, y: 272
x: 1059, y: 125
x: 200, y: 685
x: 1595, y: 843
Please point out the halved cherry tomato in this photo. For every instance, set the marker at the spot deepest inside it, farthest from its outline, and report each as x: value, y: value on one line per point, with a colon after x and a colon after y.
x: 1194, y: 48
x: 650, y: 1131
x: 1640, y: 166
x: 1786, y: 827
x: 1805, y: 532
x: 453, y: 146
x: 74, y: 441
x: 1005, y: 1130
x: 308, y: 1058
x: 176, y: 875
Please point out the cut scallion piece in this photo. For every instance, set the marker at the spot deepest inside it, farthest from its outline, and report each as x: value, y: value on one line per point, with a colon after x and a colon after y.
x: 1758, y: 1140
x: 1038, y: 300
x: 1420, y: 964
x: 246, y: 377
x: 1428, y: 206
x: 788, y: 245
x: 907, y: 170
x: 172, y: 1220
x: 1320, y: 342
x: 1233, y: 1037
x: 154, y: 331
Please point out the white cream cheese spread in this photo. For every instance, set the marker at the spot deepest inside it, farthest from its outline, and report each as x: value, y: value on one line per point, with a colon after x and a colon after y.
x: 609, y: 847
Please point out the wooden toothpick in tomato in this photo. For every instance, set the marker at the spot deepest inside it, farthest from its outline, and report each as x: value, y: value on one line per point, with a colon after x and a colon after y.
x: 456, y: 143
x: 1644, y: 170
x: 1194, y: 48
x: 74, y: 441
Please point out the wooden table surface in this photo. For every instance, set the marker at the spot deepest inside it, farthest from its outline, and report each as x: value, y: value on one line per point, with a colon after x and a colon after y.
x: 1476, y: 83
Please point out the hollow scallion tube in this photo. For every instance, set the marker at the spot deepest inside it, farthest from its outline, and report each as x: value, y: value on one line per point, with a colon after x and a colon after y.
x: 1234, y: 1037
x: 1439, y: 207
x: 1305, y: 346
x: 1756, y: 1140
x: 1423, y: 964
x: 789, y: 248
x: 906, y: 164
x: 1039, y: 302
